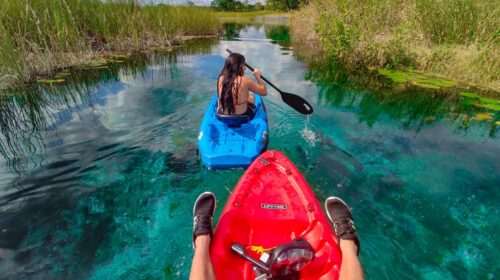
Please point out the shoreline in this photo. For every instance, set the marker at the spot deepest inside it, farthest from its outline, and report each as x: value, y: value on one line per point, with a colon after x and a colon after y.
x: 403, y: 43
x: 97, y: 59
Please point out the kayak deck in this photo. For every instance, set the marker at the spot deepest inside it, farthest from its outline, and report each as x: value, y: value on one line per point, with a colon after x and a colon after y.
x: 222, y: 146
x: 271, y: 205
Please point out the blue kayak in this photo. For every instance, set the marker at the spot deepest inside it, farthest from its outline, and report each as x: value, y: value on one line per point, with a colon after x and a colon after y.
x: 227, y: 142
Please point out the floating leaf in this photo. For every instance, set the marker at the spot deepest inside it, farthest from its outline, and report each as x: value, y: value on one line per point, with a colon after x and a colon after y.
x: 395, y: 76
x: 483, y: 117
x: 490, y: 106
x: 489, y: 101
x: 424, y: 85
x: 469, y: 94
x: 437, y: 82
x: 50, y: 81
x: 497, y: 122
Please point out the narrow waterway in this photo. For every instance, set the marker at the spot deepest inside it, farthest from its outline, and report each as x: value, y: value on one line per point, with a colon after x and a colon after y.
x: 98, y: 175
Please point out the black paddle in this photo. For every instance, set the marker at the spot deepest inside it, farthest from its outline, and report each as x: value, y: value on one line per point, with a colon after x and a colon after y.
x: 296, y: 102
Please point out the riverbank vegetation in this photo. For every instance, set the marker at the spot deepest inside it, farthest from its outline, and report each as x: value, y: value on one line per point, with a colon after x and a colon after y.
x: 454, y: 39
x: 41, y: 37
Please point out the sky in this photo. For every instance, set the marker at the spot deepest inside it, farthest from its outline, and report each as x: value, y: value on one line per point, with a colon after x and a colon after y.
x: 196, y: 2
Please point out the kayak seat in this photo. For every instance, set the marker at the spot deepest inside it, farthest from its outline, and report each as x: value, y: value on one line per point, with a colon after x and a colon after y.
x: 232, y: 120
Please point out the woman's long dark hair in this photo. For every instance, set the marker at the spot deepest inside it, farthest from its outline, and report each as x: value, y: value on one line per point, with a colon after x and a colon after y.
x: 232, y: 69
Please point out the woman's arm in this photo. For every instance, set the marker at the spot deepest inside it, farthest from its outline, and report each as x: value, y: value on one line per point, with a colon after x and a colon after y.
x: 259, y: 87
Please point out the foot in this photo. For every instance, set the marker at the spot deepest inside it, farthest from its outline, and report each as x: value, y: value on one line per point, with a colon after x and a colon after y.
x: 203, y: 211
x: 341, y: 217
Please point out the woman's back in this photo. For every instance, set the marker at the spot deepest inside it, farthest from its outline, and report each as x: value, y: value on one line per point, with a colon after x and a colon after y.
x: 233, y: 87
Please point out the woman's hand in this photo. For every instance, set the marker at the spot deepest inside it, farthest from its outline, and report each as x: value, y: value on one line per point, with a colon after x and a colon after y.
x: 256, y: 73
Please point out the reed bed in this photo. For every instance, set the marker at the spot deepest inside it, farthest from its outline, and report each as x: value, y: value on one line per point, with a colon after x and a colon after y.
x: 42, y: 36
x: 455, y: 39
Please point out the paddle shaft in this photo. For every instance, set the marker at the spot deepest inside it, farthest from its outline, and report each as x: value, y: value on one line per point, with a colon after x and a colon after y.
x: 263, y: 78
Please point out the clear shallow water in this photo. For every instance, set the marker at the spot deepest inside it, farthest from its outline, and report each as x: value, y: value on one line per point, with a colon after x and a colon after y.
x: 98, y: 177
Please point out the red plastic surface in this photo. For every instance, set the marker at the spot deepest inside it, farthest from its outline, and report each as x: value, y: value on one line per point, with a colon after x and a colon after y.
x: 272, y: 181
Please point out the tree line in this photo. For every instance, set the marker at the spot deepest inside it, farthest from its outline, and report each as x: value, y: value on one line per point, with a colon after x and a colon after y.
x: 245, y: 6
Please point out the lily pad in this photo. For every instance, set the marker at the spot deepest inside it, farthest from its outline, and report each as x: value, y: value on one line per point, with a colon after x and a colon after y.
x: 437, y: 82
x: 469, y: 94
x: 489, y: 101
x: 483, y: 117
x: 395, y: 76
x: 50, y: 81
x: 494, y: 107
x: 424, y: 85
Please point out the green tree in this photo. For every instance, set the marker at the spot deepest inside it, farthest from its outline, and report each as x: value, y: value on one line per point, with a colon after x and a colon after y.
x: 285, y: 5
x: 226, y: 5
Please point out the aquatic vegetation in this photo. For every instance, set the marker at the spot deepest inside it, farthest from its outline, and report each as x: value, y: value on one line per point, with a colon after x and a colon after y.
x: 50, y: 81
x: 455, y: 39
x: 417, y: 79
x: 488, y: 103
x: 483, y: 117
x: 37, y: 37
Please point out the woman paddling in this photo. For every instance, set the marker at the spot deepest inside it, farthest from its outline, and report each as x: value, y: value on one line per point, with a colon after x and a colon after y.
x: 233, y: 87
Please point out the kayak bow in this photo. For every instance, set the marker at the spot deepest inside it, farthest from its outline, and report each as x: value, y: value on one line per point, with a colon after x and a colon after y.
x: 272, y: 205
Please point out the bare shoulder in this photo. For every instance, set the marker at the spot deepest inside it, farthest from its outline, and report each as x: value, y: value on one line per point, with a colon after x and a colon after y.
x: 247, y: 79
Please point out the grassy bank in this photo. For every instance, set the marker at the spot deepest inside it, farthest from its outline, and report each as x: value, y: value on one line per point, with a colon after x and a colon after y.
x: 39, y: 37
x: 243, y: 17
x: 454, y: 39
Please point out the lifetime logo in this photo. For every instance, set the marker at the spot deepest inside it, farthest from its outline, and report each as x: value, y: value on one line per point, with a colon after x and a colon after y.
x: 274, y: 206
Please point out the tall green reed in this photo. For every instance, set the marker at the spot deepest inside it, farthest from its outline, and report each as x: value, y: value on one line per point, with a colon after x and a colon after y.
x: 38, y: 36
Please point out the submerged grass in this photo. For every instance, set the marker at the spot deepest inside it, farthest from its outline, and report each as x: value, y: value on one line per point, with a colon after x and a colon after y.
x: 43, y: 36
x: 455, y: 39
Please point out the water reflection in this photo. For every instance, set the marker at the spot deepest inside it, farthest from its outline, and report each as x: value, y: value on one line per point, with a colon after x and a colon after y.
x: 29, y: 116
x: 110, y: 170
x: 410, y: 105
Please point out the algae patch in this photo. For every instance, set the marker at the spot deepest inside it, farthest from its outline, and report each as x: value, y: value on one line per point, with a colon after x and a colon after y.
x: 488, y: 103
x: 417, y: 79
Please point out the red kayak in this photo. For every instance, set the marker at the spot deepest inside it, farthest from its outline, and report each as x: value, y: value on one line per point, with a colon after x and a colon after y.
x: 272, y: 227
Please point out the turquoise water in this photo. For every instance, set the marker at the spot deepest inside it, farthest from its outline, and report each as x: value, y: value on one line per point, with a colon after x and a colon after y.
x: 98, y: 176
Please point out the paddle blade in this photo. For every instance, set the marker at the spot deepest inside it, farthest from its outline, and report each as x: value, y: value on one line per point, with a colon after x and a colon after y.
x: 296, y: 102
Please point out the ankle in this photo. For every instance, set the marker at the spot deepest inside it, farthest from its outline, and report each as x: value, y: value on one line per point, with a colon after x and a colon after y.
x: 202, y: 241
x: 348, y: 246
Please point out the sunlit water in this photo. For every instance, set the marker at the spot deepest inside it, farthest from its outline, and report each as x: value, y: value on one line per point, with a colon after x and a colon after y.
x: 98, y: 177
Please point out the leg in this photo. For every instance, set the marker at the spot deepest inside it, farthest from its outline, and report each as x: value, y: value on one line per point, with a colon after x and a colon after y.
x: 341, y: 217
x: 350, y: 267
x: 203, y: 210
x: 201, y: 268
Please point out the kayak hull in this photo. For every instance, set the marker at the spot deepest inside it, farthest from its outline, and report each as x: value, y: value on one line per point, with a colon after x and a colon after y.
x: 272, y: 204
x: 225, y: 147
